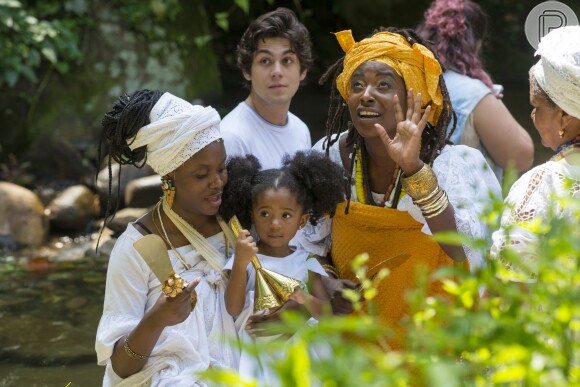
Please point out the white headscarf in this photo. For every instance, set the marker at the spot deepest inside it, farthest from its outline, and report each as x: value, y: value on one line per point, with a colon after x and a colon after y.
x: 177, y: 131
x: 558, y: 70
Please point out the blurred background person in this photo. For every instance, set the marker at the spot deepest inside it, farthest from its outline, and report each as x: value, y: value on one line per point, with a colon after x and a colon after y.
x: 456, y: 30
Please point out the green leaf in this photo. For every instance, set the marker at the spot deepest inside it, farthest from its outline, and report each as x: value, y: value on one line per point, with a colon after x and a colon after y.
x: 221, y: 19
x: 28, y: 73
x: 201, y: 40
x: 10, y: 4
x: 11, y: 77
x: 509, y: 374
x: 300, y: 364
x: 244, y: 5
x: 452, y: 238
x: 451, y: 287
x: 49, y: 54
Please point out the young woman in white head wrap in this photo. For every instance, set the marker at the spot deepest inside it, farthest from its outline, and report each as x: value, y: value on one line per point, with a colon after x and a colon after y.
x: 555, y: 98
x: 146, y: 337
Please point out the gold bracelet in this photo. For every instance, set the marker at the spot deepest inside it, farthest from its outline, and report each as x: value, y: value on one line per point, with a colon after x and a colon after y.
x: 330, y: 270
x: 431, y: 198
x: 442, y: 201
x: 432, y: 215
x: 433, y: 203
x: 130, y: 352
x: 440, y: 206
x: 421, y: 184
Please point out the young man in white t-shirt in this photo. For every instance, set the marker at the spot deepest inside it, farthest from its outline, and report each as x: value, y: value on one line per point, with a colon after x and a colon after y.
x: 274, y: 56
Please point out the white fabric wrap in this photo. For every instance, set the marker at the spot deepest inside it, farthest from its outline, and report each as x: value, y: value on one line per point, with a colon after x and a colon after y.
x: 177, y: 131
x: 558, y: 70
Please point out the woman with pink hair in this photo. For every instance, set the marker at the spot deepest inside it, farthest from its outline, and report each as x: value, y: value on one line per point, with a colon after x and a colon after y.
x: 456, y: 30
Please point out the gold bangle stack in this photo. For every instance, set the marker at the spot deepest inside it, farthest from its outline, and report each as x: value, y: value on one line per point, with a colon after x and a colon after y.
x: 130, y: 352
x: 424, y: 189
x: 330, y: 270
x: 434, y: 204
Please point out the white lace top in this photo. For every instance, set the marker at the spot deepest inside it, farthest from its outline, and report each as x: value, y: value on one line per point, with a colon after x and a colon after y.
x: 531, y: 197
x: 461, y: 171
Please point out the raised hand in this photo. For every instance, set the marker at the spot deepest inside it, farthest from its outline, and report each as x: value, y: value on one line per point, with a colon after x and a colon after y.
x: 404, y: 147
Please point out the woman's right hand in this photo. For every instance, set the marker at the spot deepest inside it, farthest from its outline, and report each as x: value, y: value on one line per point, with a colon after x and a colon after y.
x: 169, y: 311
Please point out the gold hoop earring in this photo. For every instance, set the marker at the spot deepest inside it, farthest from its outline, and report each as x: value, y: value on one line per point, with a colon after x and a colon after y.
x: 168, y: 190
x: 561, y: 132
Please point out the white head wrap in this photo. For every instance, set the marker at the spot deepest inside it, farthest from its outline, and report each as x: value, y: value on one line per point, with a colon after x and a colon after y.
x: 558, y: 70
x: 177, y: 131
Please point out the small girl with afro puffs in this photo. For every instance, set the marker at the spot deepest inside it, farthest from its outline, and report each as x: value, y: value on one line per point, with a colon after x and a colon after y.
x: 277, y: 203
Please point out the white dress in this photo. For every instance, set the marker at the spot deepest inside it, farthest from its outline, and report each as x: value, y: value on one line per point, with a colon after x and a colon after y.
x: 532, y: 197
x: 296, y: 265
x: 195, y: 345
x: 464, y: 175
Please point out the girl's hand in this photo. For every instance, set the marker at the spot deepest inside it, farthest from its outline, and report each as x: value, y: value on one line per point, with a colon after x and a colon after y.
x: 172, y: 311
x: 299, y: 296
x: 404, y: 147
x: 245, y: 249
x: 264, y: 324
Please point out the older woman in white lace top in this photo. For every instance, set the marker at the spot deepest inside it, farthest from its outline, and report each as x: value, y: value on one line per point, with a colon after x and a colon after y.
x: 555, y: 98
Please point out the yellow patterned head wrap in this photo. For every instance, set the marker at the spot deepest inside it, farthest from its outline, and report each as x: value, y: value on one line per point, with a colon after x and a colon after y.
x: 415, y: 64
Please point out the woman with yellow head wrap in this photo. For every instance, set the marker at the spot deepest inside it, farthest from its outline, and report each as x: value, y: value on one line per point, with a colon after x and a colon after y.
x: 406, y: 181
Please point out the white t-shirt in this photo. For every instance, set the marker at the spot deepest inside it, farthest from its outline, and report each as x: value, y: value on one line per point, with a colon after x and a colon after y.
x: 245, y: 132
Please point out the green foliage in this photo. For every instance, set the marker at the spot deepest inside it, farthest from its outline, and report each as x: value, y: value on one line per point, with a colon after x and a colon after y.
x: 49, y: 32
x: 517, y: 335
x: 30, y: 38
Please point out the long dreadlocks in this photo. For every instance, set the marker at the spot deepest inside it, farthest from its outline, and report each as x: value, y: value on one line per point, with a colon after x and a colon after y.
x: 129, y: 114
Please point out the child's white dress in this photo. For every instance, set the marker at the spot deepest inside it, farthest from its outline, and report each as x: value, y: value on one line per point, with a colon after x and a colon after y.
x: 296, y: 265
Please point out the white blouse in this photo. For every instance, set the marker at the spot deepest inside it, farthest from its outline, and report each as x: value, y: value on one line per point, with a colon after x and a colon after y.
x: 532, y: 197
x: 464, y: 175
x: 182, y: 350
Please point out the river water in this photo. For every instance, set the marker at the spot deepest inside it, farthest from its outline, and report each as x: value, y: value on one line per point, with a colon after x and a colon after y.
x: 49, y: 314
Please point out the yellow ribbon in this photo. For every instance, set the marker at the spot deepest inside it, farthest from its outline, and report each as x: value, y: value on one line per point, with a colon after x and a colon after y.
x: 416, y: 64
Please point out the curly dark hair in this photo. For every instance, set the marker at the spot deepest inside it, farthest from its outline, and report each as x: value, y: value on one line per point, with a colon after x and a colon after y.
x: 434, y: 138
x: 318, y: 184
x: 129, y: 114
x: 280, y: 23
